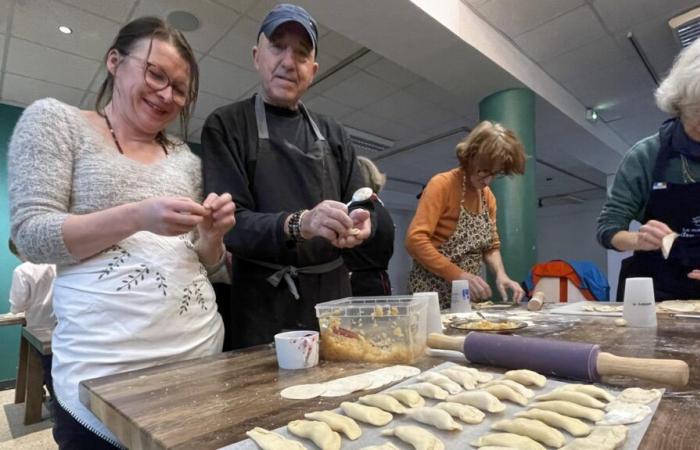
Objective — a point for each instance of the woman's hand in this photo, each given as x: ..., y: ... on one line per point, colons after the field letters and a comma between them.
x: 503, y: 283
x: 478, y: 288
x: 219, y: 219
x: 695, y: 274
x: 651, y: 234
x: 169, y: 216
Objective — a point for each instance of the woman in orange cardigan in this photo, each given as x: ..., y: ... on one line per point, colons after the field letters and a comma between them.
x: 454, y: 228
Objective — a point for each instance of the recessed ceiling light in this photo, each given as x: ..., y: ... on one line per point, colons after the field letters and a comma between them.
x: 64, y: 29
x: 183, y: 20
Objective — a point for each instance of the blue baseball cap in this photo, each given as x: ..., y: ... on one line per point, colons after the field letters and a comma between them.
x: 286, y: 12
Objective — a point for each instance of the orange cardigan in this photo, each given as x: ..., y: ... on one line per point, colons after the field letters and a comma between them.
x: 436, y: 220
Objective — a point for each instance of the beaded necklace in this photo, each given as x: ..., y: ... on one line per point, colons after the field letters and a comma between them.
x: 116, y: 141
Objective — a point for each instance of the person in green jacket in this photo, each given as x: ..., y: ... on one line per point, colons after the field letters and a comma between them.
x: 658, y: 185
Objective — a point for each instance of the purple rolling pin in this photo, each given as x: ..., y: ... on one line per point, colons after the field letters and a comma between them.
x: 559, y: 358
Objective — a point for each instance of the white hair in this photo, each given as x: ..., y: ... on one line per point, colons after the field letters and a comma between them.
x: 371, y: 175
x: 681, y: 87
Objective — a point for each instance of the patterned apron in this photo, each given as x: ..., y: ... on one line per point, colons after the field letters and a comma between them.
x: 465, y: 248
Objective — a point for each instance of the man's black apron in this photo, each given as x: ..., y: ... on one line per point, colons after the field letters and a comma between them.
x: 287, y: 178
x: 678, y: 206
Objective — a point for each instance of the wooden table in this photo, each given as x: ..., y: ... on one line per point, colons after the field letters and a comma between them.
x: 211, y: 402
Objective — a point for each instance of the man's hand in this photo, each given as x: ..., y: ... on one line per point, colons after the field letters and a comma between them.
x: 651, y: 234
x: 695, y: 274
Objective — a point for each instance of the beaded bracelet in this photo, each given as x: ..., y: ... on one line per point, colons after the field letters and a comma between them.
x: 294, y: 225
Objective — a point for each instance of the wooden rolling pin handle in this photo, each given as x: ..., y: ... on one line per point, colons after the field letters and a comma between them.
x: 437, y: 340
x: 667, y: 371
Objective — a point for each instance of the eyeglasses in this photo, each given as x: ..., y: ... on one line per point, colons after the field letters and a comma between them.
x: 157, y: 79
x: 483, y: 174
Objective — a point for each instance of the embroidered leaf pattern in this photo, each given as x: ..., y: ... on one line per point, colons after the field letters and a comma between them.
x: 117, y: 260
x: 185, y: 302
x: 160, y: 279
x: 133, y: 278
x: 193, y: 293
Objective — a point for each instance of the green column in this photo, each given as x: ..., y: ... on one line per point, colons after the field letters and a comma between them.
x: 515, y: 195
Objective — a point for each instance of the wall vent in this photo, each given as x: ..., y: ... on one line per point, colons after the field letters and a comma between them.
x: 686, y: 27
x: 363, y: 140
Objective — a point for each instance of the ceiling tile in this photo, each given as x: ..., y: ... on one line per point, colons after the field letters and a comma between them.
x: 42, y: 63
x: 427, y: 118
x: 224, y: 79
x: 325, y: 62
x: 386, y: 129
x: 392, y: 73
x: 588, y: 58
x: 366, y: 60
x: 207, y: 103
x: 239, y: 5
x: 475, y: 2
x: 513, y: 20
x: 360, y: 90
x: 2, y: 46
x: 89, y: 101
x: 237, y: 45
x: 24, y: 91
x: 657, y: 42
x: 619, y: 15
x: 215, y: 20
x: 335, y: 44
x: 98, y: 79
x: 4, y: 11
x: 397, y: 105
x: 38, y: 21
x: 323, y: 105
x: 572, y: 30
x: 116, y: 10
x: 260, y: 9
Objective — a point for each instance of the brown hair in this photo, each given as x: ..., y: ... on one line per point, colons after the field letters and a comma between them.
x: 371, y: 175
x: 493, y: 148
x: 153, y: 28
x: 13, y: 248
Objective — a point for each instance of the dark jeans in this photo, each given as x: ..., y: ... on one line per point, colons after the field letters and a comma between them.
x: 69, y: 434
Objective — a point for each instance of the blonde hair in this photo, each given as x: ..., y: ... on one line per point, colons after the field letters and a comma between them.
x: 371, y: 175
x: 491, y: 147
x: 681, y: 87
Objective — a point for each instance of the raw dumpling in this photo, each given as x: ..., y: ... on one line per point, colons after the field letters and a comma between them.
x: 337, y: 422
x: 503, y: 392
x: 428, y: 390
x: 574, y: 427
x: 385, y: 402
x: 622, y: 413
x: 483, y: 400
x: 571, y: 409
x: 593, y: 391
x: 508, y: 440
x: 368, y: 414
x: 639, y: 395
x: 436, y: 417
x: 462, y: 377
x: 533, y: 429
x: 441, y: 380
x: 320, y: 433
x: 465, y: 413
x: 269, y: 440
x: 572, y: 396
x: 526, y: 377
x: 602, y: 438
x: 419, y: 438
x: 387, y: 446
x: 525, y: 392
x: 481, y: 377
x: 408, y: 397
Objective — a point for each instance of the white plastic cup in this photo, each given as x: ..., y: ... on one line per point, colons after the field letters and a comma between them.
x: 639, y: 309
x: 432, y: 300
x: 460, y: 297
x: 297, y: 349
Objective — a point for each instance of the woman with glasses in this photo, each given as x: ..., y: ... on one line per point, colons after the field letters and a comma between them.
x: 454, y: 228
x: 117, y: 205
x: 658, y: 185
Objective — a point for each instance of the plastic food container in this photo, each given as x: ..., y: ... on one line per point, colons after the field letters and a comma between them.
x: 388, y: 329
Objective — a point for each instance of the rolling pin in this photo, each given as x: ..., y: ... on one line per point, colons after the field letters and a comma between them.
x: 536, y: 302
x: 577, y: 360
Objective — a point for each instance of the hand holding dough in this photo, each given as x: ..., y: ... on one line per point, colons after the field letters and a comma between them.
x: 419, y: 438
x: 508, y: 440
x: 465, y: 413
x: 436, y: 417
x: 574, y: 427
x: 526, y: 377
x: 571, y: 409
x: 533, y: 429
x: 269, y: 440
x: 337, y: 422
x: 320, y: 433
x: 408, y: 397
x: 483, y: 400
x: 368, y: 414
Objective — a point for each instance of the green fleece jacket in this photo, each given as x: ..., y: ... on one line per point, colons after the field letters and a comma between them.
x: 628, y: 195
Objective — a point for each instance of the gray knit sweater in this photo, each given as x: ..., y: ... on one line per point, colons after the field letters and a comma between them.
x: 60, y: 165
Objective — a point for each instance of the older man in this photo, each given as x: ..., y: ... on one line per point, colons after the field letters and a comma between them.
x: 290, y: 172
